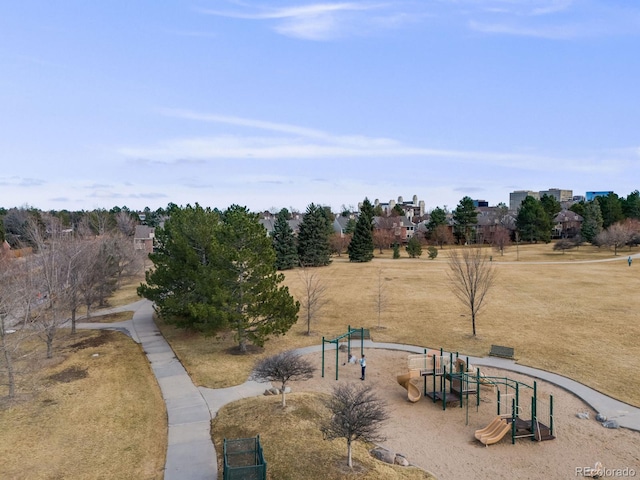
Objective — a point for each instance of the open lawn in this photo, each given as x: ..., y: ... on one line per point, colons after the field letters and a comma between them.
x: 93, y: 411
x: 560, y: 312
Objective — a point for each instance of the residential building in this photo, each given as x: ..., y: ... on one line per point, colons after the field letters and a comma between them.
x: 143, y: 238
x: 413, y: 208
x: 566, y: 224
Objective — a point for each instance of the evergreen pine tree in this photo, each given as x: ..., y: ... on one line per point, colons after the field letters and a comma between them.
x: 532, y: 221
x: 592, y: 221
x: 284, y: 242
x: 314, y: 249
x: 414, y: 249
x: 396, y: 250
x: 465, y: 219
x: 361, y: 246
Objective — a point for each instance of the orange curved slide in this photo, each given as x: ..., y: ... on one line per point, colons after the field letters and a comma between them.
x: 413, y: 392
x: 489, y: 428
x: 496, y: 436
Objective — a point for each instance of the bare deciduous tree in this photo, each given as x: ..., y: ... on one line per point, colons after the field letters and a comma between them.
x: 339, y: 242
x: 442, y: 235
x: 51, y: 273
x: 381, y: 297
x: 563, y: 245
x: 472, y: 275
x: 99, y: 220
x: 10, y: 304
x: 283, y: 368
x: 356, y: 414
x: 616, y: 236
x: 125, y: 223
x: 384, y: 232
x: 314, y: 295
x: 501, y: 239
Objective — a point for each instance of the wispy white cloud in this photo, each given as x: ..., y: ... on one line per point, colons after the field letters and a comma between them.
x: 546, y: 31
x: 21, y: 181
x: 303, y: 143
x: 551, y: 19
x: 510, y: 7
x: 317, y: 21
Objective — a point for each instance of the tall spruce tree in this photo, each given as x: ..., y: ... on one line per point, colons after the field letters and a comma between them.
x: 215, y: 270
x: 437, y: 217
x: 284, y: 242
x: 361, y: 246
x: 592, y: 221
x: 465, y: 219
x: 611, y: 209
x: 630, y: 205
x: 532, y: 221
x: 314, y: 249
x: 551, y: 206
x: 254, y: 303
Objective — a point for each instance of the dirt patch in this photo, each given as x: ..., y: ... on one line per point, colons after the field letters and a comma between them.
x: 250, y: 350
x: 70, y: 374
x: 101, y: 338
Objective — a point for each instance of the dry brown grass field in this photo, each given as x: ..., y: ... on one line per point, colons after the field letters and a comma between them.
x: 85, y: 416
x: 567, y: 313
x: 293, y: 445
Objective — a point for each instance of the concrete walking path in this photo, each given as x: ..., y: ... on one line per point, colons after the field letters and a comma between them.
x: 191, y: 454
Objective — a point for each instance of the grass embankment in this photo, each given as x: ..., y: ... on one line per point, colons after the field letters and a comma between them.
x: 293, y: 444
x: 93, y: 411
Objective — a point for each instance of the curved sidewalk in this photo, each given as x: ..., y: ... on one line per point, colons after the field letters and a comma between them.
x: 191, y: 454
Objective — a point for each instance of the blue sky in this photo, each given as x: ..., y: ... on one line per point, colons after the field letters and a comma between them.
x: 276, y: 104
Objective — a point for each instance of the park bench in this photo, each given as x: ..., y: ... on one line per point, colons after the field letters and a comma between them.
x: 365, y: 332
x: 500, y: 351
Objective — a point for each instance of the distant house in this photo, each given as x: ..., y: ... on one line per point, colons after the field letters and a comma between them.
x: 143, y: 238
x: 340, y: 224
x: 269, y: 221
x: 566, y: 224
x: 489, y: 220
x: 401, y: 227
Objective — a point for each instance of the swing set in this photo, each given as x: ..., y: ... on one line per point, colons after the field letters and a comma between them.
x: 355, y: 332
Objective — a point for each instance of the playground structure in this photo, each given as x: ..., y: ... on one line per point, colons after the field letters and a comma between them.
x: 520, y: 410
x: 355, y: 332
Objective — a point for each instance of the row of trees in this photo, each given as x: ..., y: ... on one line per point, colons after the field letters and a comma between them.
x: 311, y: 248
x: 15, y: 222
x: 65, y: 271
x: 217, y: 269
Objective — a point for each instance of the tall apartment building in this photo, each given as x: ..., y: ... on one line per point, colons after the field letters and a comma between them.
x: 558, y: 194
x: 516, y: 198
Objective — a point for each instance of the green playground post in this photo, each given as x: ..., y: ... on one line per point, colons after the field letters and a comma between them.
x: 513, y: 421
x: 551, y: 414
x: 444, y: 387
x: 434, y: 378
x: 534, y: 404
